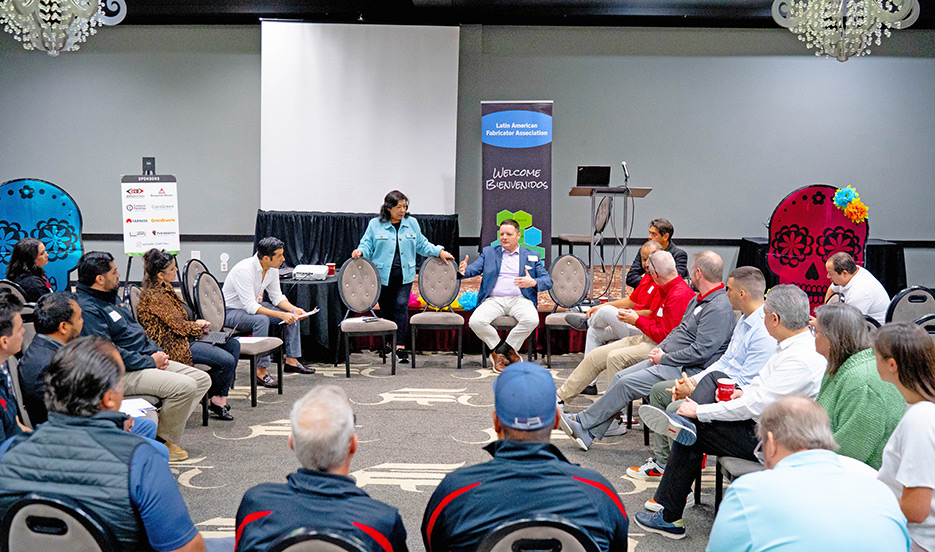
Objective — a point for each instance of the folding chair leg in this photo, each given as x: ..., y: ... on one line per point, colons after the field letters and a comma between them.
x: 414, y: 330
x: 204, y: 410
x: 253, y: 381
x: 548, y: 348
x: 718, y: 485
x: 337, y: 352
x: 393, y: 362
x: 629, y: 414
x: 483, y: 354
x: 347, y: 355
x: 282, y: 360
x: 384, y: 348
x: 698, y: 486
x: 460, y: 349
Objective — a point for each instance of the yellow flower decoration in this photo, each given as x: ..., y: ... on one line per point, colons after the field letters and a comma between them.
x: 856, y: 211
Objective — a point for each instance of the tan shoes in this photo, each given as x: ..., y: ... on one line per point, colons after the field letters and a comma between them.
x: 499, y: 361
x: 176, y: 453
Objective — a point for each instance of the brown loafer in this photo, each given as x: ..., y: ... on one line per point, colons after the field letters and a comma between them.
x: 267, y: 381
x: 512, y: 356
x: 499, y: 362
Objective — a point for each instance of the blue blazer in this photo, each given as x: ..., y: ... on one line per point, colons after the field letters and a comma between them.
x: 379, y: 245
x: 488, y: 264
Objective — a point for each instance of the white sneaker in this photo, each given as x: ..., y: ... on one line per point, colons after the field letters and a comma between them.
x: 616, y: 428
x: 654, y: 506
x: 650, y: 470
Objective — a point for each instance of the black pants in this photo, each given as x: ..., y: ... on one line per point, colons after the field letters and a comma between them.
x: 394, y: 304
x: 736, y: 439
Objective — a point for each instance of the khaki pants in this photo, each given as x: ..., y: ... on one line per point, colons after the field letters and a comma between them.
x: 179, y: 386
x: 614, y: 357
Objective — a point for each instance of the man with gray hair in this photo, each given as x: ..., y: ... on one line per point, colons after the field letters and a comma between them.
x: 655, y: 326
x: 697, y: 342
x: 807, y: 499
x: 727, y: 427
x: 321, y: 495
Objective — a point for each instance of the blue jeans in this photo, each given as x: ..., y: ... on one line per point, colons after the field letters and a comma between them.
x: 223, y: 363
x: 259, y: 325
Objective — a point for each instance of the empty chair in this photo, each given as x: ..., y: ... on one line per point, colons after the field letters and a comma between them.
x: 928, y: 324
x: 193, y: 268
x: 359, y: 287
x: 210, y: 306
x: 314, y: 541
x: 540, y: 534
x: 600, y: 221
x: 872, y: 323
x: 570, y: 286
x: 439, y: 286
x: 911, y: 304
x: 50, y: 522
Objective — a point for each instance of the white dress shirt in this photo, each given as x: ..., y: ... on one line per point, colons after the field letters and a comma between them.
x: 244, y: 286
x: 866, y: 293
x: 795, y: 367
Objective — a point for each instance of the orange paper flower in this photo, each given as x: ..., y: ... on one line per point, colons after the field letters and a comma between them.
x: 856, y: 211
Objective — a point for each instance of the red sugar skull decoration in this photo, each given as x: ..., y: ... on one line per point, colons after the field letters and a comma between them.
x: 806, y: 228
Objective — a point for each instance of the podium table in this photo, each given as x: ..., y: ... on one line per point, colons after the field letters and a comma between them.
x: 604, y: 191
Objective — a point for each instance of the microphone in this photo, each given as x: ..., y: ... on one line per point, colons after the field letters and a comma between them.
x: 626, y: 173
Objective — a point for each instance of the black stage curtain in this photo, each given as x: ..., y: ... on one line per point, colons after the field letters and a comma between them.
x: 885, y: 260
x: 319, y: 238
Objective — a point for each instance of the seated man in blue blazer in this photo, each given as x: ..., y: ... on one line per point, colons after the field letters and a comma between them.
x: 512, y: 278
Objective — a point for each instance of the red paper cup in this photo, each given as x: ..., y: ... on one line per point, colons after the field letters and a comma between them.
x: 603, y: 300
x: 330, y: 268
x: 725, y: 388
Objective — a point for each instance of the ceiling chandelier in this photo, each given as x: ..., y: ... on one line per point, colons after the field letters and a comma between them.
x: 844, y: 28
x: 58, y: 25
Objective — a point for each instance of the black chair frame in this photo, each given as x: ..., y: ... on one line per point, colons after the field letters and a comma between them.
x: 503, y: 530
x: 346, y: 542
x: 88, y: 520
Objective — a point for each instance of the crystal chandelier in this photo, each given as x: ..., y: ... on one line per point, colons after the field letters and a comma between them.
x: 844, y: 28
x: 58, y: 25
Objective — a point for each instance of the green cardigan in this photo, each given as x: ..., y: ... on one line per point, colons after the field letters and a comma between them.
x: 864, y: 409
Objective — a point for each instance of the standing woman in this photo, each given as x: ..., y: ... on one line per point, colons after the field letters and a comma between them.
x: 25, y: 268
x: 391, y: 242
x: 905, y: 357
x: 165, y: 321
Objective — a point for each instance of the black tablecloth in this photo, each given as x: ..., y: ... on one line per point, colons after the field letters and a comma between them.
x: 885, y: 260
x: 319, y: 238
x: 319, y: 331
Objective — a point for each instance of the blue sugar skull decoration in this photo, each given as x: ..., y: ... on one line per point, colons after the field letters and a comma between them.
x: 38, y: 209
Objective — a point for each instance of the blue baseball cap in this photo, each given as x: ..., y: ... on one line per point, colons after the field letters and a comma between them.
x: 524, y: 396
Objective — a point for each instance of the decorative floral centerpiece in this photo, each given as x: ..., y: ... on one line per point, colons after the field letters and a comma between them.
x: 847, y: 200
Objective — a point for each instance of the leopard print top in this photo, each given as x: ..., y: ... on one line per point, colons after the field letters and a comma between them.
x: 165, y: 321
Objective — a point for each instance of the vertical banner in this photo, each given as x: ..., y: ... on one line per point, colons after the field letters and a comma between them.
x: 517, y: 172
x: 150, y: 213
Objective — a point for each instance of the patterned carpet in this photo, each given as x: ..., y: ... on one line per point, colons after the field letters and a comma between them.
x: 414, y: 428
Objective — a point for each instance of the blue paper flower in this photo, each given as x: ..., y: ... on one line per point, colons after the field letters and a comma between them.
x: 468, y: 300
x: 844, y: 196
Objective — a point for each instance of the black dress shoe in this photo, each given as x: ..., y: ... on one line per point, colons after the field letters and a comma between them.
x: 267, y: 381
x: 221, y: 412
x: 589, y: 390
x: 298, y: 369
x: 402, y: 356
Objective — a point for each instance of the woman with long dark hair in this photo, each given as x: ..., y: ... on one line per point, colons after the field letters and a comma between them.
x: 25, y: 268
x: 863, y: 409
x: 392, y: 241
x: 905, y: 357
x: 166, y: 322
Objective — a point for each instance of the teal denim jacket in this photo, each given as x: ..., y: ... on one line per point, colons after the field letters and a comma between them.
x: 379, y: 245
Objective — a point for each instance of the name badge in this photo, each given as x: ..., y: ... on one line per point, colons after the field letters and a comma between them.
x: 114, y: 315
x: 697, y: 310
x: 659, y: 312
x: 533, y: 258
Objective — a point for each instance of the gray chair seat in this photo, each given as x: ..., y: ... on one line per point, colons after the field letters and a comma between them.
x: 558, y: 319
x: 504, y: 322
x: 443, y: 318
x: 264, y: 345
x: 358, y: 326
x: 576, y: 238
x: 732, y: 468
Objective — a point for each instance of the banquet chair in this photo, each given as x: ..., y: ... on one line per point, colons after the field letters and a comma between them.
x: 570, y: 286
x: 210, y: 306
x: 193, y: 268
x: 911, y: 304
x: 41, y: 521
x: 359, y: 287
x: 597, y: 237
x: 439, y: 286
x: 538, y: 533
x: 315, y: 541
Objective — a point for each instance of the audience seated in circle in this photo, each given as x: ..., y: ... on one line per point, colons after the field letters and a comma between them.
x: 806, y: 499
x: 749, y: 348
x: 84, y: 452
x: 696, y: 343
x: 727, y: 428
x: 527, y: 476
x: 321, y: 495
x: 148, y: 369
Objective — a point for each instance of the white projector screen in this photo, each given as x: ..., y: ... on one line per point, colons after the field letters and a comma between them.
x: 350, y: 112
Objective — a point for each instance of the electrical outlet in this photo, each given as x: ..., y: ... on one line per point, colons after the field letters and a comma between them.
x: 196, y: 254
x: 223, y: 266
